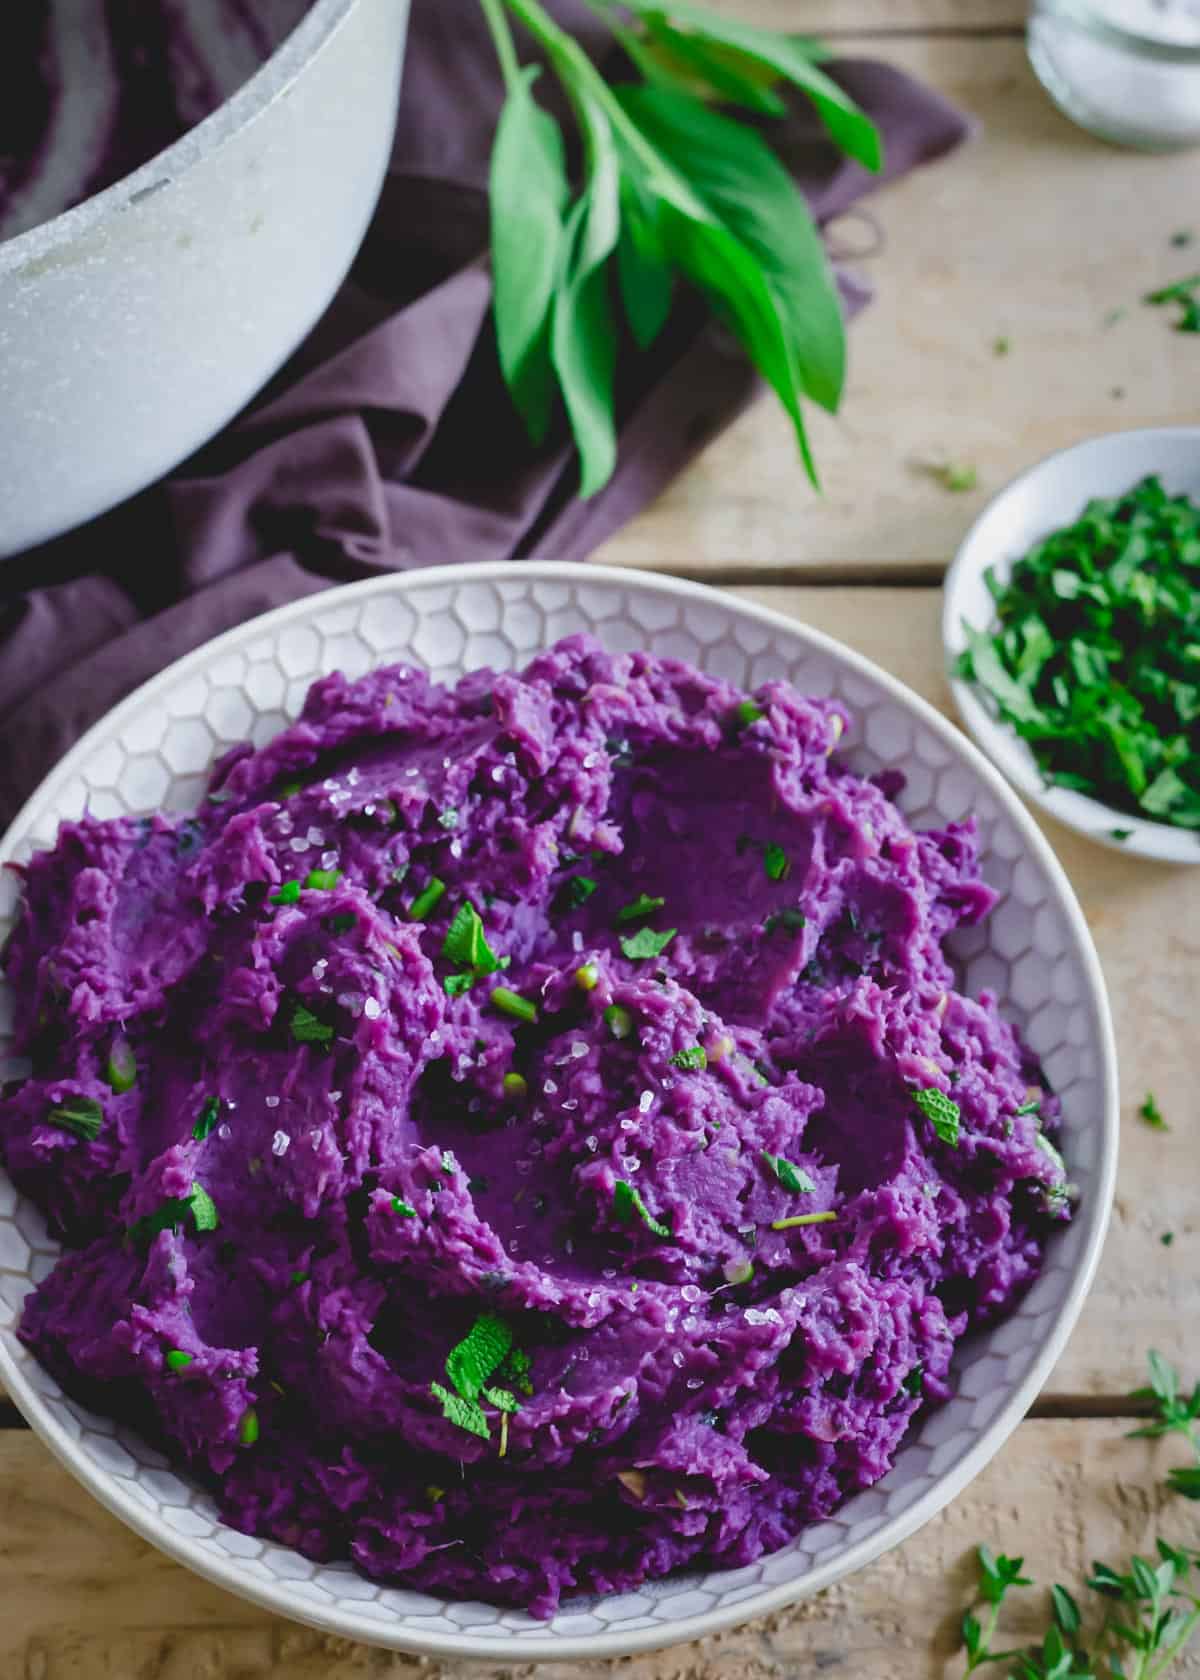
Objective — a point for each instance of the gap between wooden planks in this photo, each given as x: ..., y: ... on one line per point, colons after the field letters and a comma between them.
x: 1146, y: 922
x: 85, y: 1599
x: 1034, y: 233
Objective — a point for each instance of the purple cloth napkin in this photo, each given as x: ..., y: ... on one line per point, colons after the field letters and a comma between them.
x: 388, y: 441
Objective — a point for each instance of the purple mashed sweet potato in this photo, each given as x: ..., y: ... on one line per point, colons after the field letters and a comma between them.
x: 525, y: 1137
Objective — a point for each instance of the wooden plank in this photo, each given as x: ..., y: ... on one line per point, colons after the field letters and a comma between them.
x: 1034, y: 232
x: 834, y: 18
x: 1146, y: 921
x: 84, y: 1599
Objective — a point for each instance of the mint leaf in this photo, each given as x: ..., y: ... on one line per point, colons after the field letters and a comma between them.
x: 466, y: 944
x: 210, y: 1113
x: 473, y: 1360
x: 792, y: 1178
x: 307, y: 1029
x: 646, y: 943
x: 204, y: 1209
x: 464, y: 1414
x: 941, y: 1111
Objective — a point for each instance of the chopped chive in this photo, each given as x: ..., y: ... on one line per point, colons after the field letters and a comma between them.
x: 210, y: 1113
x: 288, y: 893
x: 512, y: 1003
x: 618, y: 1021
x: 1030, y: 1107
x: 627, y: 1201
x: 424, y: 902
x: 204, y: 1209
x: 776, y: 862
x: 747, y: 712
x: 177, y: 1360
x: 120, y: 1072
x: 322, y: 880
x: 802, y: 1219
x: 81, y: 1115
x: 515, y: 1085
x: 403, y: 1208
x: 642, y: 905
x: 587, y: 978
x: 248, y: 1427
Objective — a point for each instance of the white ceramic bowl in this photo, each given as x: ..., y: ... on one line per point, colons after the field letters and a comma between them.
x: 1035, y: 951
x: 1043, y: 498
x: 135, y: 325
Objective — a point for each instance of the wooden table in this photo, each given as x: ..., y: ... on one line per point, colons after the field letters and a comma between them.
x: 1035, y: 233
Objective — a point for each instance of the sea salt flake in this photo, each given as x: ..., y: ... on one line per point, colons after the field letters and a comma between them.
x: 352, y: 1002
x: 593, y: 1143
x: 352, y: 776
x: 646, y: 1101
x: 579, y: 1049
x: 272, y: 1102
x: 280, y: 1143
x: 677, y: 1358
x: 456, y: 849
x: 628, y: 1125
x: 335, y: 1096
x: 570, y: 1105
x: 283, y: 822
x: 549, y: 1087
x: 299, y: 844
x: 372, y: 1009
x: 368, y: 810
x: 328, y: 860
x: 315, y: 837
x: 223, y: 1130
x: 690, y: 1292
x: 576, y: 940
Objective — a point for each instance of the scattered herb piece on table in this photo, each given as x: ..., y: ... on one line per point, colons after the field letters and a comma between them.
x: 671, y: 189
x: 1144, y: 1616
x: 1094, y: 658
x: 1185, y: 294
x: 1150, y: 1112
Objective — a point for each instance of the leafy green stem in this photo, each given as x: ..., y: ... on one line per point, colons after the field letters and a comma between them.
x: 506, y: 52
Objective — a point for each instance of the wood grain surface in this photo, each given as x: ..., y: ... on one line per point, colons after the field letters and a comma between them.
x: 90, y: 1601
x: 1034, y: 233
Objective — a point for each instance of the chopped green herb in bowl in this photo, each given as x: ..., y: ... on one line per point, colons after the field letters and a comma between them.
x: 1083, y: 644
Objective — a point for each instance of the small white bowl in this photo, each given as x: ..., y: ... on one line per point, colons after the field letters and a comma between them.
x: 1043, y: 498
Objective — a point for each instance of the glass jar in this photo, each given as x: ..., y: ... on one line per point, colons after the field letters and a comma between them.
x: 1128, y: 70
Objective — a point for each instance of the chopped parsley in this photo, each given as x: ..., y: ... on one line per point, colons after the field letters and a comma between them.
x: 512, y: 1003
x: 1150, y: 1112
x: 618, y: 1021
x: 776, y: 862
x: 307, y: 1029
x: 177, y: 1360
x: 405, y: 1209
x: 1094, y: 655
x: 322, y: 880
x: 424, y: 902
x: 466, y: 943
x: 694, y: 1059
x: 120, y: 1072
x: 748, y: 712
x: 81, y: 1115
x: 792, y: 1178
x: 288, y: 893
x: 942, y: 1112
x: 642, y: 905
x: 210, y: 1113
x: 627, y: 1201
x: 646, y: 943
